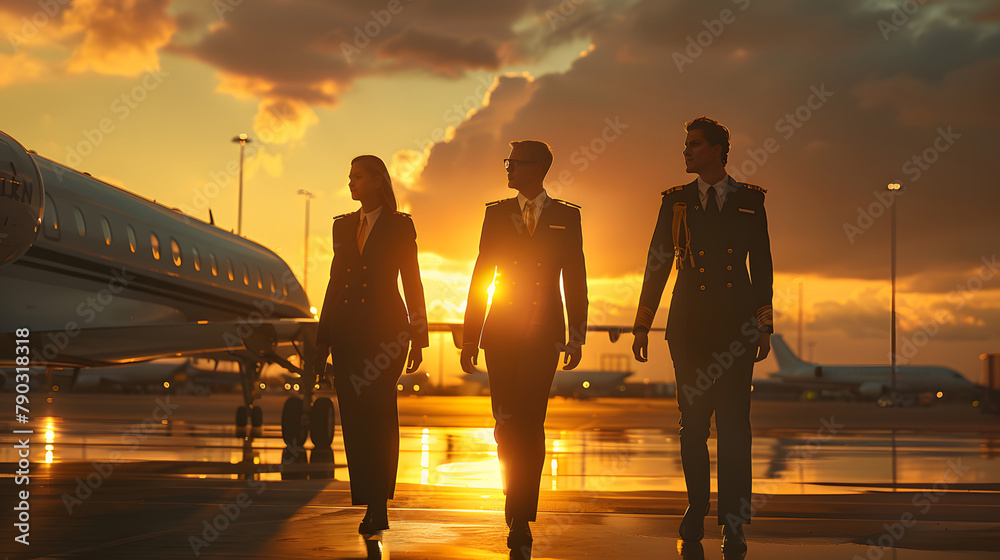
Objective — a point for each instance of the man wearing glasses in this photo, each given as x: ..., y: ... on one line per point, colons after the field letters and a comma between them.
x: 527, y: 242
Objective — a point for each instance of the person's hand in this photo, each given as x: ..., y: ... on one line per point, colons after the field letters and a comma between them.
x: 470, y: 358
x: 763, y: 346
x: 573, y: 353
x: 640, y: 346
x: 319, y: 359
x: 416, y: 356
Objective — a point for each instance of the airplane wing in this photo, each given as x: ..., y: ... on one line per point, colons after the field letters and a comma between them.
x: 108, y: 346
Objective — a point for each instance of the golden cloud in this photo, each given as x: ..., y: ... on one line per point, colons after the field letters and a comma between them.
x: 279, y: 121
x: 120, y: 37
x: 28, y: 68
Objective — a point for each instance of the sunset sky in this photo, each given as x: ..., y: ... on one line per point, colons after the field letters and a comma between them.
x: 827, y: 101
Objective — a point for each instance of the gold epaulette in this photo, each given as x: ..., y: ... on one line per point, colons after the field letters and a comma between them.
x: 567, y: 203
x: 672, y: 189
x: 398, y: 213
x: 342, y: 216
x: 495, y: 202
x: 756, y: 188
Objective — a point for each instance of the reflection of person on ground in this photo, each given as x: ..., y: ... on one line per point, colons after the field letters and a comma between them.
x: 719, y: 322
x: 526, y: 243
x: 368, y: 330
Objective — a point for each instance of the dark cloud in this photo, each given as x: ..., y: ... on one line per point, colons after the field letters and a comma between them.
x: 820, y: 114
x: 856, y: 318
x: 951, y: 319
x: 302, y: 51
x: 441, y: 54
x: 301, y: 42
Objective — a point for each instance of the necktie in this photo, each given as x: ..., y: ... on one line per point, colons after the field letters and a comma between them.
x: 712, y: 204
x: 361, y: 233
x: 529, y: 216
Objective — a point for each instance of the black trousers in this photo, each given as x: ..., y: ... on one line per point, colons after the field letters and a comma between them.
x: 715, y: 379
x: 520, y: 381
x: 365, y: 377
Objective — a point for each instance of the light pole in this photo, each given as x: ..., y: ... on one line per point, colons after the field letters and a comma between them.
x: 799, y: 281
x: 305, y: 260
x: 893, y: 187
x: 242, y: 140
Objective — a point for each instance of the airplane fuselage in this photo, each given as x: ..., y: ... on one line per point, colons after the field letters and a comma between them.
x: 105, y: 257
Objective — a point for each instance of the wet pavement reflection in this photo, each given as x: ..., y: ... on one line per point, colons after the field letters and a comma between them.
x: 593, y: 459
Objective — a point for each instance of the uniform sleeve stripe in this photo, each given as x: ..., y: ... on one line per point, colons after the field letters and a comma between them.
x: 644, y: 317
x: 765, y: 315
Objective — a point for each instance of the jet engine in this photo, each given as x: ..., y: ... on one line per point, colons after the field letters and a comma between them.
x: 21, y: 200
x: 872, y: 389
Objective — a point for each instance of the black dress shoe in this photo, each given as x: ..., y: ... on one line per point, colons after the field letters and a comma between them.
x: 519, y: 536
x: 370, y: 526
x: 734, y: 542
x: 690, y: 550
x: 693, y: 525
x: 521, y: 553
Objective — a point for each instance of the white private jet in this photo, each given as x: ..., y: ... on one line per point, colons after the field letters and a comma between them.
x: 93, y: 276
x: 866, y: 381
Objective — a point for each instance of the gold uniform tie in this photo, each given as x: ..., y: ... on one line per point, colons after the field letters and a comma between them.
x: 361, y: 233
x: 529, y: 216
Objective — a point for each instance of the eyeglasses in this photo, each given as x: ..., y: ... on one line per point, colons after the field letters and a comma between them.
x: 510, y: 164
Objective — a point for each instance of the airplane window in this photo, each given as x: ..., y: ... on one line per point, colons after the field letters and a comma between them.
x: 81, y: 226
x: 229, y: 267
x: 271, y: 278
x: 246, y: 276
x: 131, y: 238
x: 195, y: 258
x: 260, y: 279
x: 284, y: 289
x: 175, y: 249
x: 154, y: 242
x: 215, y: 266
x: 50, y: 220
x: 106, y: 229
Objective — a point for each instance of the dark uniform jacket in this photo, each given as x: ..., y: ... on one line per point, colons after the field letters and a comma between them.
x: 362, y: 299
x: 527, y: 303
x: 714, y: 296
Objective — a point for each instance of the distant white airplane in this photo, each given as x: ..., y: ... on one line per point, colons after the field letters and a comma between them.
x: 866, y: 381
x: 574, y: 384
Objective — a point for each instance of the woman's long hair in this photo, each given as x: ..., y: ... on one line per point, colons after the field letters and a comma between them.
x: 376, y: 166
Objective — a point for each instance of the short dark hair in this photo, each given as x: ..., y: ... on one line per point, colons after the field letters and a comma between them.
x: 539, y: 151
x: 715, y: 133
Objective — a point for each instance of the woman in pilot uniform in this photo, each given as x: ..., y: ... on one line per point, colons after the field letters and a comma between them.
x: 368, y: 331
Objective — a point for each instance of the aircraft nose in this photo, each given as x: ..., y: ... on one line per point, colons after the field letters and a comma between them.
x: 21, y: 205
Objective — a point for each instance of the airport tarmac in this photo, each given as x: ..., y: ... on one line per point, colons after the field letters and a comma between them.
x: 158, y: 476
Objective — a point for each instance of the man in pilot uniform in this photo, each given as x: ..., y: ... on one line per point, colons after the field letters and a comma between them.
x: 719, y: 322
x: 526, y: 243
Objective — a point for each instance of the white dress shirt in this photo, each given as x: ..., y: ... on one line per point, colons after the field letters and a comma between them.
x: 538, y: 200
x: 369, y: 219
x: 720, y: 189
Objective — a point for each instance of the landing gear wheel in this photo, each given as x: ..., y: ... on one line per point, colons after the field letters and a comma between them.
x: 242, y: 415
x: 257, y: 416
x: 322, y: 422
x: 291, y: 422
